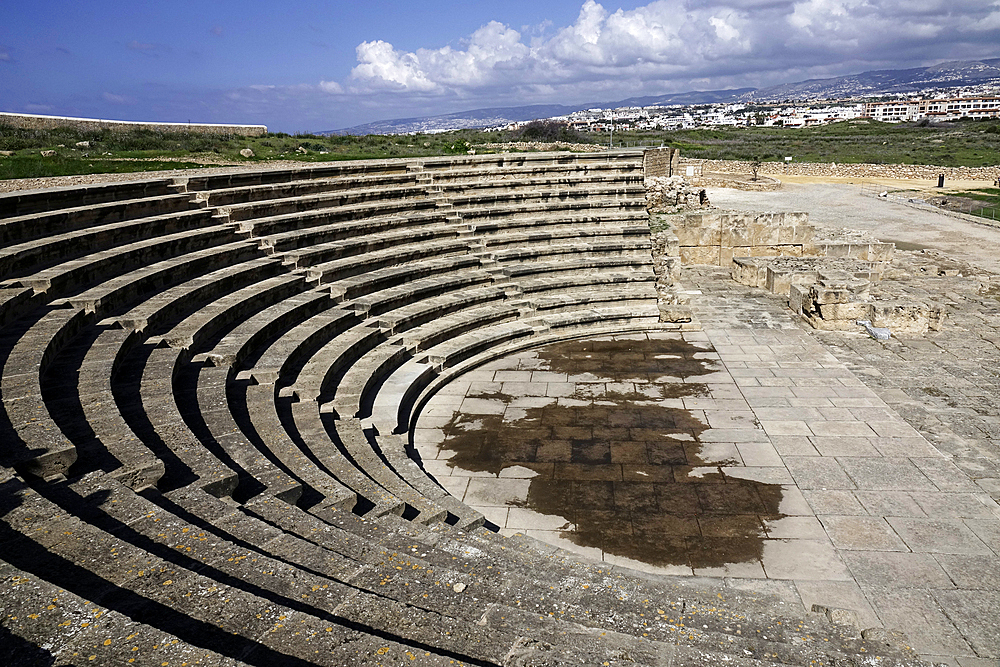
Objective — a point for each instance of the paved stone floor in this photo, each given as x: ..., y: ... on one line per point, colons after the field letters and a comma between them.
x: 756, y: 450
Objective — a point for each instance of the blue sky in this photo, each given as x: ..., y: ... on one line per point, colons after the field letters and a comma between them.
x: 313, y: 66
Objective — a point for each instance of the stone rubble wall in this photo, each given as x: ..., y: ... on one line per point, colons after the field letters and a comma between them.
x: 34, y: 122
x: 530, y: 146
x: 901, y: 171
x: 762, y: 184
x: 673, y: 194
x: 661, y: 162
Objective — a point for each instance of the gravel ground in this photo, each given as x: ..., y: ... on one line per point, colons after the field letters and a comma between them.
x: 836, y: 206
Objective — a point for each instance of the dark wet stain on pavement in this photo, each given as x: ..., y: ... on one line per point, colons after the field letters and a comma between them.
x: 619, y: 457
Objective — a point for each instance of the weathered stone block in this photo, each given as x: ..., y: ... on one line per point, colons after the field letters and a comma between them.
x: 798, y: 298
x: 748, y: 271
x: 700, y: 255
x: 699, y: 229
x: 855, y: 310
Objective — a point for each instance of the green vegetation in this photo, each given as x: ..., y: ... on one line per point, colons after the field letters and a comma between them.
x: 959, y: 144
x: 990, y: 198
x: 145, y: 150
x: 967, y: 143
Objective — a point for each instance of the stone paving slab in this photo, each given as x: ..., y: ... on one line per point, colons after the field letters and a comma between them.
x: 842, y: 499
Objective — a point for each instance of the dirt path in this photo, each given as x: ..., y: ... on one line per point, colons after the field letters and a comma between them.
x: 840, y: 206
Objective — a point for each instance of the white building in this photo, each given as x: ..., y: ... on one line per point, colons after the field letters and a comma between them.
x: 940, y: 109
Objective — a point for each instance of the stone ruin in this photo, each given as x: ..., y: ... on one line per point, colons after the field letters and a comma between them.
x: 831, y: 283
x: 208, y: 388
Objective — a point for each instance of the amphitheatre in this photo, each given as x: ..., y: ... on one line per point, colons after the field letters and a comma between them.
x: 513, y: 409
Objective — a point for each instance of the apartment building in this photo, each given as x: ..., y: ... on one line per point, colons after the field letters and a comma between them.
x: 943, y: 109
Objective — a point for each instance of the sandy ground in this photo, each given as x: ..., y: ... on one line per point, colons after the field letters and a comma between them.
x: 843, y: 206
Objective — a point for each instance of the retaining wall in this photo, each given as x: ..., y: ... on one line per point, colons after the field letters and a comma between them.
x: 837, y: 170
x: 34, y: 122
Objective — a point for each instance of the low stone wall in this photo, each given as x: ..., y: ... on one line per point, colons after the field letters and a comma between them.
x: 902, y: 171
x: 661, y: 162
x: 762, y: 184
x: 34, y: 122
x: 715, y: 237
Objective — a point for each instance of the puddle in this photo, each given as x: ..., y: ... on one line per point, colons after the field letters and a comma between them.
x: 590, y: 439
x: 906, y: 245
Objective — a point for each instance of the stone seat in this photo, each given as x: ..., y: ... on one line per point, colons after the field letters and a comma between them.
x: 33, y: 443
x: 217, y: 593
x: 373, y: 498
x: 353, y: 397
x: 227, y: 311
x: 464, y: 181
x: 429, y: 308
x: 374, y: 199
x: 509, y: 212
x: 569, y: 299
x: 157, y: 313
x: 240, y: 194
x: 377, y: 587
x: 550, y: 199
x: 247, y: 338
x: 213, y: 424
x: 486, y: 221
x: 286, y: 234
x: 208, y: 469
x: 559, y: 234
x: 573, y: 248
x: 52, y: 222
x: 26, y: 257
x: 354, y: 285
x: 74, y: 275
x: 536, y: 284
x: 627, y: 219
x: 351, y: 459
x: 262, y: 425
x: 392, y: 242
x: 15, y: 302
x: 386, y: 300
x: 289, y: 351
x: 543, y: 187
x: 41, y: 613
x: 574, y: 265
x: 517, y: 170
x: 89, y: 415
x: 118, y: 293
x: 20, y: 203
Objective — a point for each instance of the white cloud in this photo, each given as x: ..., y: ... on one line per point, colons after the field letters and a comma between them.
x: 112, y: 98
x: 661, y: 47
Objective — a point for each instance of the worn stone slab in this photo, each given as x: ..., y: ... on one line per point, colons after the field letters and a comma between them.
x: 944, y: 536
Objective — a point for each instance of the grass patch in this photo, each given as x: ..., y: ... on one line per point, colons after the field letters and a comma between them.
x: 35, y: 166
x: 958, y: 144
x: 948, y: 145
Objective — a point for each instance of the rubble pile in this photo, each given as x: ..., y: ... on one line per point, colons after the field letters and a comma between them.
x: 673, y: 194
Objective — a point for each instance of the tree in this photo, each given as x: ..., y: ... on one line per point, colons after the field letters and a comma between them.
x: 755, y: 167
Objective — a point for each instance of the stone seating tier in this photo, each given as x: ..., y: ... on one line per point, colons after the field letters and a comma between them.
x: 206, y: 405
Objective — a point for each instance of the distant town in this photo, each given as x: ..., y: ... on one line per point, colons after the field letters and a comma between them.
x: 978, y: 102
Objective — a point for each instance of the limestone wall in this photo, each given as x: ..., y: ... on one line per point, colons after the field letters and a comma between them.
x: 715, y: 237
x: 915, y: 172
x: 661, y: 162
x: 33, y: 122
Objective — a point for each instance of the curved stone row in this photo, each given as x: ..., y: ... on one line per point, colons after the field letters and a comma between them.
x: 208, y: 387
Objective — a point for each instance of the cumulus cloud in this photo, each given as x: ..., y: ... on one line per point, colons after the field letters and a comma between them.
x: 669, y: 45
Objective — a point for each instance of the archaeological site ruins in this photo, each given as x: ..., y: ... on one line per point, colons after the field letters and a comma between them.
x: 519, y: 410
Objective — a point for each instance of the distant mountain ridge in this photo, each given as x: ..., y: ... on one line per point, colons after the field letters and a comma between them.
x: 876, y: 82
